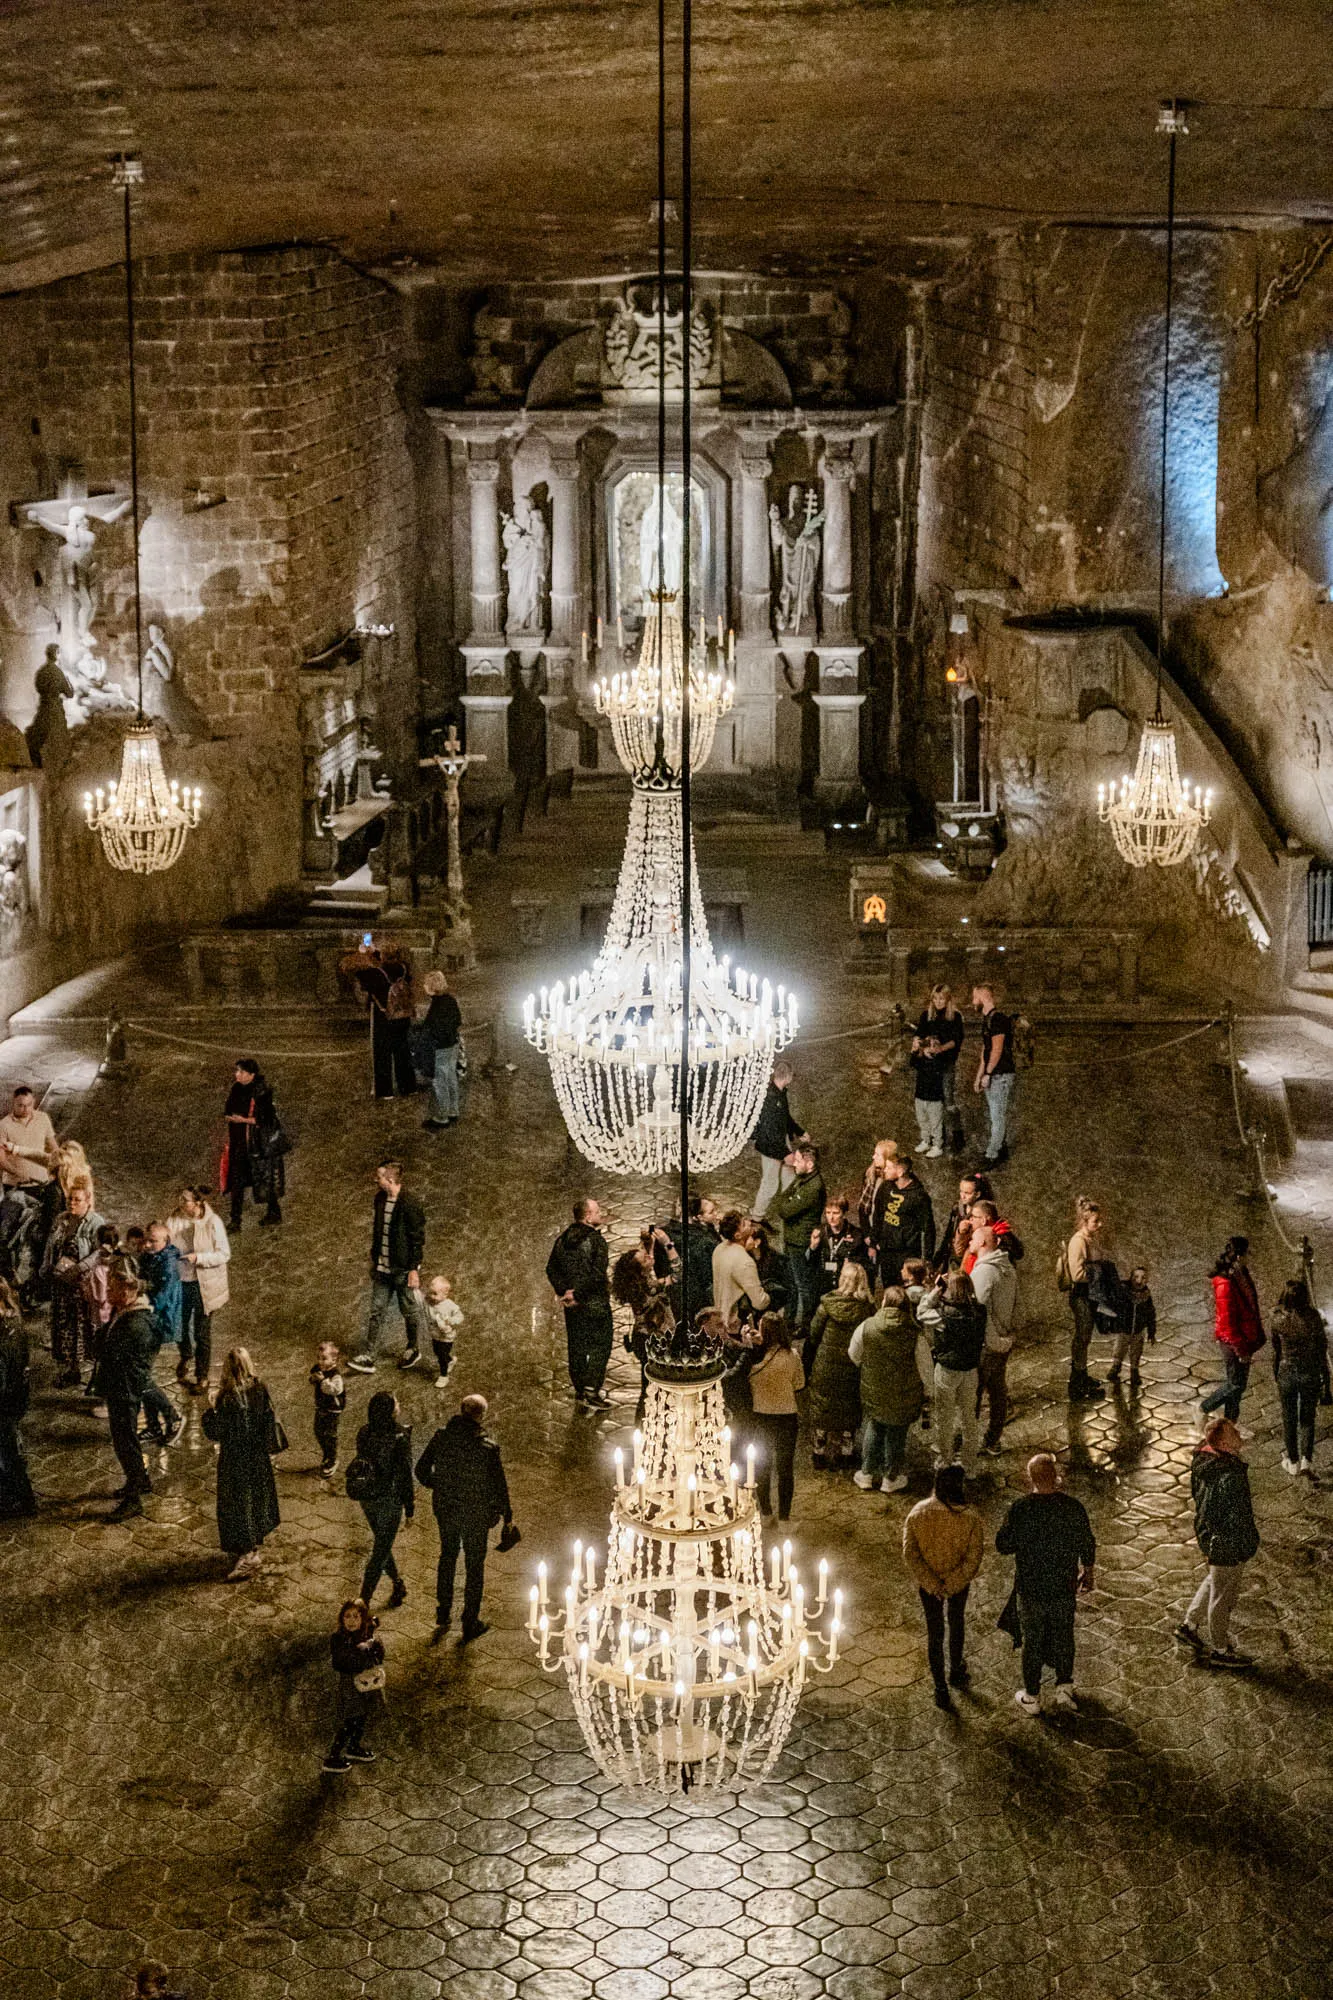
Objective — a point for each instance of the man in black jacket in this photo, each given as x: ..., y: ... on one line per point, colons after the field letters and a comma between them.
x: 903, y: 1221
x: 397, y: 1245
x: 470, y: 1494
x: 576, y: 1271
x: 125, y: 1372
x: 1050, y: 1537
x: 1225, y: 1530
x: 776, y: 1131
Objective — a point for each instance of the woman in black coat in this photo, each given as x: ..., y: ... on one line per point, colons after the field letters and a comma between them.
x: 241, y: 1422
x: 380, y: 1478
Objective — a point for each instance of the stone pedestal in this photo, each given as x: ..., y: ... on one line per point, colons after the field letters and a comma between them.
x: 839, y: 702
x: 488, y: 737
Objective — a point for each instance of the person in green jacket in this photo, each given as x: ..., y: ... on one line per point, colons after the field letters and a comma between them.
x: 835, y: 1394
x: 797, y: 1209
x: 884, y: 1349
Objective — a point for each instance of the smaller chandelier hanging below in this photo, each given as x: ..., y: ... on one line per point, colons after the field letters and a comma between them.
x: 142, y: 821
x: 1155, y: 816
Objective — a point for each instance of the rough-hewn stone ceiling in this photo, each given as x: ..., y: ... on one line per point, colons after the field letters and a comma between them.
x: 515, y: 136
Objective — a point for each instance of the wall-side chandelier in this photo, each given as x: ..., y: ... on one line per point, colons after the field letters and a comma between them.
x: 686, y: 1661
x: 1155, y: 816
x: 142, y: 819
x: 660, y: 1053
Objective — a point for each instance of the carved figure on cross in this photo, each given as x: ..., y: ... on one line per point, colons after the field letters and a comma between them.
x: 453, y: 762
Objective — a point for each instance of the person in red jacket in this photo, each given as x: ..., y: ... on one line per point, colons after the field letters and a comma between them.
x: 1237, y: 1327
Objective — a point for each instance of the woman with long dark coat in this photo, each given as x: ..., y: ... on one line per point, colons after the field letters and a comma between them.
x: 240, y: 1420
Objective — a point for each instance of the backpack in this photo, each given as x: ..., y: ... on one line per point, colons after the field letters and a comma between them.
x: 1025, y: 1042
x: 399, y: 1006
x: 363, y: 1480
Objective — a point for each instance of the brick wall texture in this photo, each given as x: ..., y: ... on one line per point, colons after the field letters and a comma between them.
x: 975, y: 524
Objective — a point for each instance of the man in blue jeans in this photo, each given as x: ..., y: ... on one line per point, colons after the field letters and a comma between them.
x: 995, y: 1072
x: 397, y: 1244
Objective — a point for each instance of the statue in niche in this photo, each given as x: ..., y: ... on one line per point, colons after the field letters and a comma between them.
x: 527, y: 554
x: 13, y: 888
x: 660, y: 533
x: 47, y: 735
x: 796, y: 542
x: 163, y: 697
x: 73, y: 519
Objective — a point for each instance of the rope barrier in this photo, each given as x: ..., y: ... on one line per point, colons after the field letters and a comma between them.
x: 266, y: 1055
x: 1084, y: 1062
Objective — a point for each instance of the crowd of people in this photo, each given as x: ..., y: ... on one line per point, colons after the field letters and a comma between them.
x: 855, y: 1316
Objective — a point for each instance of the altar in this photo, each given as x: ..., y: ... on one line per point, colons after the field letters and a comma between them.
x: 552, y: 505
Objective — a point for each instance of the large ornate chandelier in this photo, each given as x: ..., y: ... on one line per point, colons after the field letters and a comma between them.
x: 142, y: 819
x: 686, y: 1661
x: 616, y: 1035
x: 1153, y: 816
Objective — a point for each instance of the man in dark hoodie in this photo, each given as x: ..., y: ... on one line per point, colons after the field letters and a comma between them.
x: 1225, y: 1530
x: 576, y: 1271
x: 903, y: 1220
x: 462, y: 1468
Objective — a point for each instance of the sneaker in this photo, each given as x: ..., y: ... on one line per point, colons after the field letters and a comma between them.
x: 362, y: 1364
x: 924, y: 1147
x: 893, y: 1485
x: 361, y: 1756
x: 434, y: 1124
x: 409, y: 1357
x: 598, y: 1399
x: 130, y: 1507
x: 245, y: 1566
x: 175, y: 1436
x: 934, y: 1152
x: 865, y: 1480
x: 1291, y: 1465
x: 990, y: 1450
x: 471, y: 1632
x: 1248, y: 1436
x: 327, y: 1471
x: 270, y: 1219
x: 961, y: 1677
x: 1029, y: 1703
x: 1187, y: 1636
x: 336, y: 1764
x: 943, y: 1699
x: 1230, y: 1658
x: 1113, y: 1372
x: 442, y: 1381
x: 396, y: 1597
x: 1066, y: 1698
x: 1307, y: 1465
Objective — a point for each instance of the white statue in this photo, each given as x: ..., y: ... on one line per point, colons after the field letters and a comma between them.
x: 635, y: 355
x: 13, y: 888
x: 163, y: 695
x: 660, y: 531
x: 796, y: 541
x: 527, y: 551
x: 74, y: 520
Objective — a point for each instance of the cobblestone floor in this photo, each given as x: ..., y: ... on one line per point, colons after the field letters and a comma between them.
x: 162, y: 1730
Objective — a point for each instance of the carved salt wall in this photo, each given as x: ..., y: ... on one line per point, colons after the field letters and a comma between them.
x: 278, y: 502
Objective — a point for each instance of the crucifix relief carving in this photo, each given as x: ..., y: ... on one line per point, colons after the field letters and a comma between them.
x: 73, y: 518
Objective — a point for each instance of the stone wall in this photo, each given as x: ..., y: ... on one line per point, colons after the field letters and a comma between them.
x: 278, y: 513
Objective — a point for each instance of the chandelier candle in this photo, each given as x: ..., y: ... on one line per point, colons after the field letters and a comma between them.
x: 686, y: 1663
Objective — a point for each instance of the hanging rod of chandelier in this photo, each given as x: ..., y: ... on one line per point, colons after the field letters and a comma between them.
x: 142, y: 819
x: 1155, y: 816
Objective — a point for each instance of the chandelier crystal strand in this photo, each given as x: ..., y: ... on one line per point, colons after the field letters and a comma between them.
x: 141, y: 819
x: 686, y: 1659
x: 1154, y: 817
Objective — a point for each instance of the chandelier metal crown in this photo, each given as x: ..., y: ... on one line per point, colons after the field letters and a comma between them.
x: 687, y: 1659
x: 615, y: 1035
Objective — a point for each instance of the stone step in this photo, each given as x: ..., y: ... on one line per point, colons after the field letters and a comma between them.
x: 1311, y: 1007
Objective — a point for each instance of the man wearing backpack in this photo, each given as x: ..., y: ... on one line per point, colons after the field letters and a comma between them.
x: 995, y: 1072
x: 462, y: 1468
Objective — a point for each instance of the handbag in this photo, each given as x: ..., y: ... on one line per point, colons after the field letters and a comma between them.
x: 278, y: 1439
x: 510, y: 1537
x: 369, y: 1682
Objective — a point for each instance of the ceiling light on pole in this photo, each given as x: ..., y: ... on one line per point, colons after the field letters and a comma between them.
x: 1155, y: 816
x: 142, y: 818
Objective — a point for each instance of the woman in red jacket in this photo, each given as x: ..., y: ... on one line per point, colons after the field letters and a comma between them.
x: 1237, y: 1326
